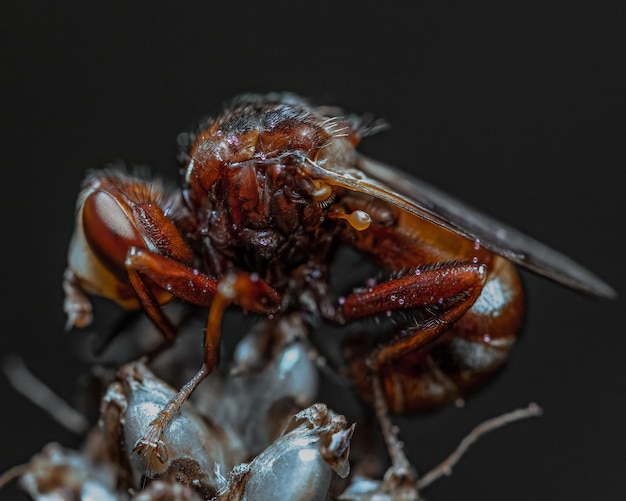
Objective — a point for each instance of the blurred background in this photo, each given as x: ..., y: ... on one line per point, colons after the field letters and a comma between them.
x: 520, y: 111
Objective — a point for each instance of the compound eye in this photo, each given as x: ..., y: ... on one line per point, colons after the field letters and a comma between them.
x: 109, y: 228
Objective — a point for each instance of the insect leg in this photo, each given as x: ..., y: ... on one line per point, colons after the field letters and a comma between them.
x: 122, y: 222
x: 472, y: 345
x: 251, y: 293
x: 445, y: 291
x: 179, y: 280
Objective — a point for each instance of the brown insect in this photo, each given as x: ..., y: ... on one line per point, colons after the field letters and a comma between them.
x: 272, y: 188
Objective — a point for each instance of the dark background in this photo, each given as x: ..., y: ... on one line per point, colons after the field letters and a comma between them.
x: 519, y: 111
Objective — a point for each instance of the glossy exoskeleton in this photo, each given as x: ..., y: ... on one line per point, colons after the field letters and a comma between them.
x: 272, y: 187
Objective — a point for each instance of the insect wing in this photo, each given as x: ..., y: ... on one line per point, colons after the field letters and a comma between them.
x: 423, y: 200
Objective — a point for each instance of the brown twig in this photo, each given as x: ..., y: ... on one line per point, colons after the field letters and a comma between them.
x: 33, y: 389
x: 445, y: 467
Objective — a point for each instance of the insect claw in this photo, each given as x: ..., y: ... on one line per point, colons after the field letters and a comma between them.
x: 150, y: 444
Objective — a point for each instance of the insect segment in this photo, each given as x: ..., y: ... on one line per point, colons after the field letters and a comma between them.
x: 273, y: 186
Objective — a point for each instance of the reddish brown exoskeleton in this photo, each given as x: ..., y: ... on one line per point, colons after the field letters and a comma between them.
x: 273, y: 187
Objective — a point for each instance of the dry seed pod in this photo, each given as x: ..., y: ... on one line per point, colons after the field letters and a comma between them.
x: 300, y: 464
x: 273, y: 377
x: 160, y: 490
x: 62, y: 474
x: 366, y: 489
x: 193, y: 450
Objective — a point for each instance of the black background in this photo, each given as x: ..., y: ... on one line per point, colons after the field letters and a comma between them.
x: 519, y: 111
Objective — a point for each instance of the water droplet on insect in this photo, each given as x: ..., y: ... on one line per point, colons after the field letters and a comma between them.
x: 475, y: 260
x: 388, y: 313
x: 400, y: 301
x: 477, y: 244
x: 232, y: 140
x: 440, y: 300
x: 359, y: 220
x: 486, y: 338
x: 392, y: 297
x: 418, y: 271
x: 341, y: 300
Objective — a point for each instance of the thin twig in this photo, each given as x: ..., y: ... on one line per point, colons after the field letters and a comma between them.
x: 445, y: 467
x: 399, y: 462
x: 33, y: 389
x: 13, y: 473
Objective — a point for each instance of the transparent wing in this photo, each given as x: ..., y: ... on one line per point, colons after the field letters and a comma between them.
x: 423, y: 200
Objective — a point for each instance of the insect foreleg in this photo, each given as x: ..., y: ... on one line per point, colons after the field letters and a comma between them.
x: 181, y: 281
x: 250, y: 293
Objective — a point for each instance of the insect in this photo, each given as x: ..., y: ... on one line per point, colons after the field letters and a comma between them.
x: 273, y: 187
